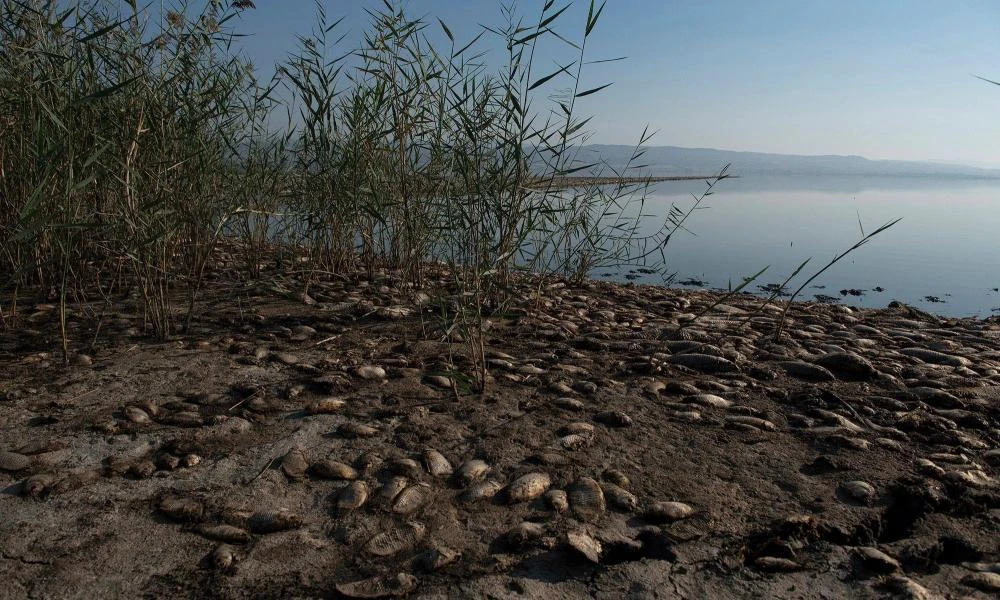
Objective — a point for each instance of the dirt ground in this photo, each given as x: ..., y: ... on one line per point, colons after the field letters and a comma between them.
x: 282, y: 448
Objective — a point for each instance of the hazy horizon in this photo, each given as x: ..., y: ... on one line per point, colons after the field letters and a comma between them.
x: 889, y: 80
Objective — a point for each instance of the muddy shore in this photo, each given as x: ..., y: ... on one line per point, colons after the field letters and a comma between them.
x: 329, y: 446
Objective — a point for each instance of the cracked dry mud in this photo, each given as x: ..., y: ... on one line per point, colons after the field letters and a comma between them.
x: 283, y: 449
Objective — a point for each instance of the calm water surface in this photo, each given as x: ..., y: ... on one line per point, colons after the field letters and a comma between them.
x: 947, y: 245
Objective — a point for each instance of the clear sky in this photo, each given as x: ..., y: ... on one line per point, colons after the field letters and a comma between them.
x: 878, y: 78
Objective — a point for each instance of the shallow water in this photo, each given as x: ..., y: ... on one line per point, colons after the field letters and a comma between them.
x: 947, y: 245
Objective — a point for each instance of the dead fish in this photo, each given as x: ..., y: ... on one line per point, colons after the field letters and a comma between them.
x: 38, y: 485
x: 353, y: 496
x: 613, y: 418
x: 574, y: 441
x: 756, y: 423
x: 369, y: 462
x: 294, y: 464
x: 225, y: 533
x: 223, y: 557
x: 331, y: 469
x: 776, y: 564
x: 136, y: 415
x: 566, y: 403
x: 357, y: 430
x: 557, y: 500
x: 668, y: 512
x: 392, y: 488
x: 524, y: 534
x: 383, y: 586
x: 181, y: 509
x: 183, y: 419
x: 584, y: 544
x: 370, y: 372
x: 325, y: 406
x: 472, y: 470
x: 406, y: 467
x: 617, y: 478
x: 410, y: 499
x: 528, y: 487
x: 75, y: 480
x: 586, y: 499
x: 576, y: 428
x: 167, y: 461
x: 552, y: 459
x: 13, y: 462
x: 142, y: 469
x: 396, y: 540
x: 859, y: 491
x: 435, y: 558
x: 436, y: 463
x: 482, y: 491
x: 620, y: 498
x: 274, y: 521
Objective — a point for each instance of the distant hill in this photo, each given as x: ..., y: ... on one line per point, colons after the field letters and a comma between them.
x: 673, y: 160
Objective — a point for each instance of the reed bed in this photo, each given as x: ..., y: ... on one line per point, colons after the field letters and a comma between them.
x: 133, y: 140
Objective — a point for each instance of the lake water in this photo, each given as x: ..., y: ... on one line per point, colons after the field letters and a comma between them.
x: 947, y: 245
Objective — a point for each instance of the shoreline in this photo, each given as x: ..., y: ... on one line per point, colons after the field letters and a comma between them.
x: 293, y: 445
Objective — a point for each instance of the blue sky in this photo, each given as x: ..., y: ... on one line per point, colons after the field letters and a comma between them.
x: 878, y: 78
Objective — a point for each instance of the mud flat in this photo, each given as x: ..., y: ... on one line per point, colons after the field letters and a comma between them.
x: 334, y: 449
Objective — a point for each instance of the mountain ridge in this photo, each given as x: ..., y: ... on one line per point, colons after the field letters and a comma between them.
x: 678, y: 160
